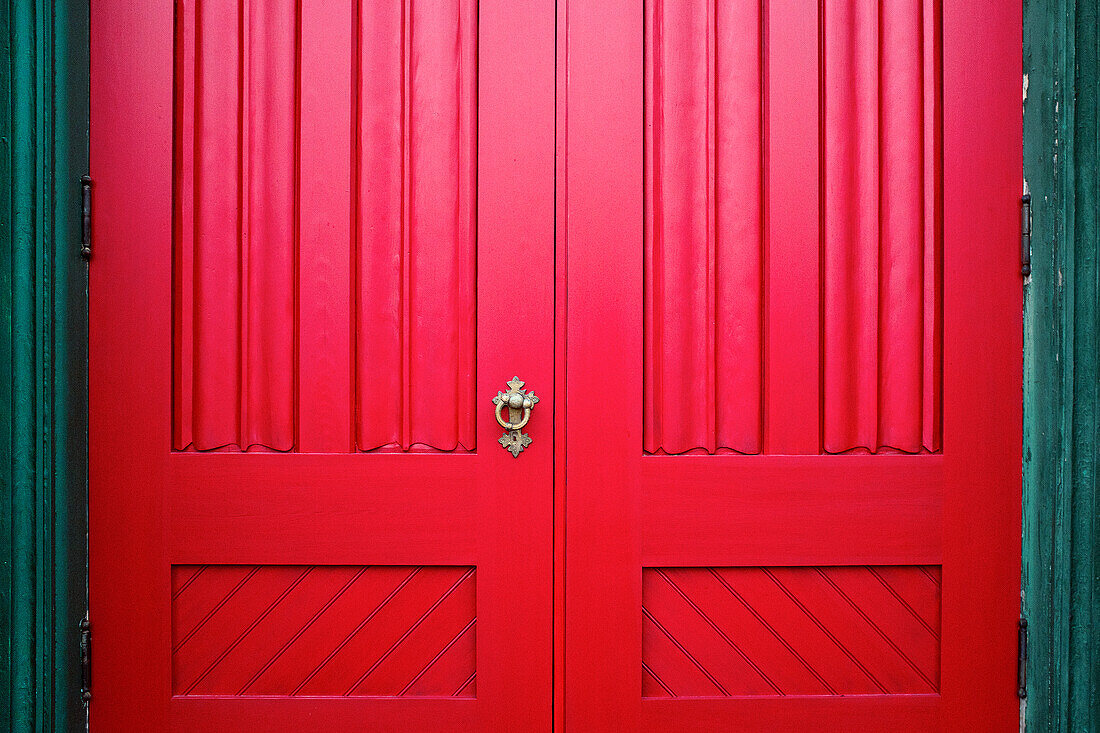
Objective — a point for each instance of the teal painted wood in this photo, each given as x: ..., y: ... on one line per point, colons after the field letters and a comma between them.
x: 43, y: 364
x: 1062, y: 317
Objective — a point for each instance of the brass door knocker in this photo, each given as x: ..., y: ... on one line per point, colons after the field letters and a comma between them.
x: 519, y: 403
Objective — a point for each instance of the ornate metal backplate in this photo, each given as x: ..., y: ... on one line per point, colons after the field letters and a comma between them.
x: 519, y: 403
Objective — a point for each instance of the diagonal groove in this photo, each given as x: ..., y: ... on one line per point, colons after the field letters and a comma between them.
x: 298, y: 634
x: 217, y: 607
x: 355, y: 631
x: 862, y: 614
x: 658, y: 680
x: 779, y: 637
x: 930, y: 575
x: 248, y: 629
x: 817, y: 622
x: 189, y: 581
x: 691, y: 658
x: 725, y: 637
x: 436, y: 658
x: 467, y: 683
x: 892, y: 591
x: 469, y: 572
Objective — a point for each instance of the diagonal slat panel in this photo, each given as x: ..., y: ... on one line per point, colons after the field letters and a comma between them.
x: 283, y: 630
x: 756, y: 631
x: 704, y: 641
x: 787, y: 669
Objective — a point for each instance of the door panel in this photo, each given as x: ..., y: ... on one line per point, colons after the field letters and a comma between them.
x: 325, y: 243
x: 882, y: 319
x: 711, y: 284
x: 407, y: 141
x: 774, y: 538
x: 276, y: 630
x: 850, y: 630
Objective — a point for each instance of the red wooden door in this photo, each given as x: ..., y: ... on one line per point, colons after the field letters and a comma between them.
x: 324, y: 242
x: 757, y: 259
x: 792, y: 420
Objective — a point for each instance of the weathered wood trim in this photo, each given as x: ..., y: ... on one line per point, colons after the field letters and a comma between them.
x: 43, y: 363
x: 1060, y: 568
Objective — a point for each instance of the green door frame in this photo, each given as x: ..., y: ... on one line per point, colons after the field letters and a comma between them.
x: 1061, y: 563
x: 43, y: 363
x: 43, y: 329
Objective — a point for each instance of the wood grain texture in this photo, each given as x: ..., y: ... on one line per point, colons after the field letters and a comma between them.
x: 982, y: 407
x: 320, y: 504
x: 727, y: 274
x: 797, y: 505
x: 703, y: 239
x: 1061, y: 323
x: 723, y: 632
x: 323, y: 630
x: 882, y: 257
x: 43, y: 363
x: 324, y: 241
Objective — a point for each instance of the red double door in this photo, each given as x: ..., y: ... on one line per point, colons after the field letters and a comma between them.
x: 755, y: 259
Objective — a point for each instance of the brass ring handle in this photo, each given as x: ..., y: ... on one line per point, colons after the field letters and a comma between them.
x: 517, y: 425
x: 515, y: 399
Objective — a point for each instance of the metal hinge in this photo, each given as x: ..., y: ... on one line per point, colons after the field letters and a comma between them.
x: 85, y: 659
x: 1021, y: 659
x: 1025, y: 234
x: 86, y: 217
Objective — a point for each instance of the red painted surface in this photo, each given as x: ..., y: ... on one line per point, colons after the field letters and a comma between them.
x: 762, y: 235
x: 288, y: 224
x: 882, y: 255
x: 877, y: 308
x: 283, y: 341
x: 809, y: 209
x: 862, y: 630
x: 281, y: 630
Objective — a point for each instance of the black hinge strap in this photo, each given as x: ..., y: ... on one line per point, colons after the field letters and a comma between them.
x: 1021, y: 660
x: 85, y: 659
x: 1025, y: 234
x: 86, y: 217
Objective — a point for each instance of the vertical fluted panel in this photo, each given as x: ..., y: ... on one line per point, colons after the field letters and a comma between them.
x: 441, y: 240
x: 851, y: 223
x: 703, y: 235
x: 415, y: 321
x: 396, y: 241
x: 215, y: 318
x: 183, y: 232
x: 268, y: 225
x: 380, y: 225
x: 932, y: 200
x: 902, y: 227
x: 881, y: 256
x: 739, y: 182
x: 234, y: 346
x: 880, y: 297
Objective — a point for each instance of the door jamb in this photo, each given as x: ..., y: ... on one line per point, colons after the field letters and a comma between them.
x: 43, y: 363
x: 1061, y: 592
